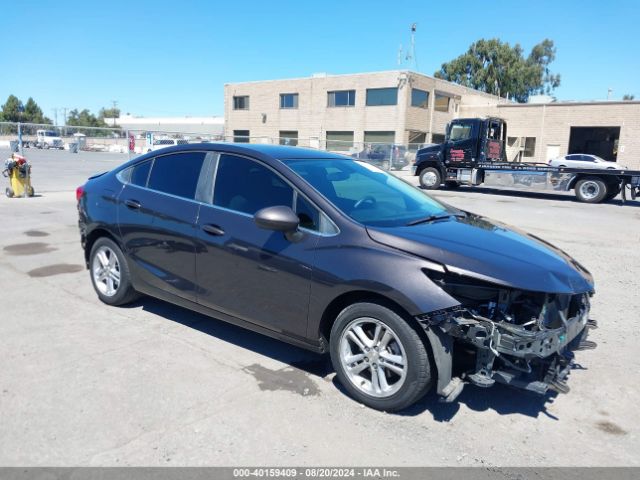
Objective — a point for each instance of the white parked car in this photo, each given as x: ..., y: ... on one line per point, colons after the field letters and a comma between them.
x: 583, y: 160
x: 166, y: 142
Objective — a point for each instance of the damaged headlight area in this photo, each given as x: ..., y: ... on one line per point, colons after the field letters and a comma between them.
x: 519, y: 338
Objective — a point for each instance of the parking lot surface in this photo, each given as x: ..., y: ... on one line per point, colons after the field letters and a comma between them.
x: 82, y: 383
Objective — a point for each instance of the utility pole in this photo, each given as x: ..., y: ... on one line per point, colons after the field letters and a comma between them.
x: 115, y: 105
x: 64, y: 119
x: 55, y: 115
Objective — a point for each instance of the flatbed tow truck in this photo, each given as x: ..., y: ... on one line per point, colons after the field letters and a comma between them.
x: 474, y: 153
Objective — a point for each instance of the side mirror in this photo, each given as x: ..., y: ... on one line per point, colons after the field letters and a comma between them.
x: 279, y: 218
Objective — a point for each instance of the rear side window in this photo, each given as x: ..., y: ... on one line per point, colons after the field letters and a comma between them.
x: 247, y: 186
x: 177, y: 173
x: 140, y: 174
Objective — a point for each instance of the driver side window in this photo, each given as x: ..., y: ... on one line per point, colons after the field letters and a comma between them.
x: 246, y: 186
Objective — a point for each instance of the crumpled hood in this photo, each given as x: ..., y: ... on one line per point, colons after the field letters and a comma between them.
x: 477, y: 247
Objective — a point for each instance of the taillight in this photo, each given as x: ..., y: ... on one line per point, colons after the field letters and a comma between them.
x: 79, y: 192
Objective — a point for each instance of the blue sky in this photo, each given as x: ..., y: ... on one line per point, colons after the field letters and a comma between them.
x: 173, y: 58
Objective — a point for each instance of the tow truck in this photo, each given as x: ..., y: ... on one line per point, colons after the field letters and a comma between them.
x: 474, y: 153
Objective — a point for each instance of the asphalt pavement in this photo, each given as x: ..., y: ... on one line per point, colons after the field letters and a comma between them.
x: 153, y: 384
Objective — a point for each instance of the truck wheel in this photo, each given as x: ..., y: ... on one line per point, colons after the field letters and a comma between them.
x: 591, y: 190
x: 9, y: 192
x: 379, y: 358
x: 46, y: 146
x: 430, y: 178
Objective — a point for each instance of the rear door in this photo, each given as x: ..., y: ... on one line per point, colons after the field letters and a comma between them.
x: 250, y: 273
x: 157, y: 215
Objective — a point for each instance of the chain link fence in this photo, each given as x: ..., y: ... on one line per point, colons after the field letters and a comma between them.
x: 21, y: 136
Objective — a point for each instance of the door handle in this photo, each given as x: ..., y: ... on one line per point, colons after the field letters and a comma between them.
x: 132, y: 204
x: 213, y: 230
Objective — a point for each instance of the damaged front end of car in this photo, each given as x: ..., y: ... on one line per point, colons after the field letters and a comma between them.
x: 519, y: 338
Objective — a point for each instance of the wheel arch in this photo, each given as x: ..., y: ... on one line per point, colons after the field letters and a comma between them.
x: 91, y: 239
x: 433, y: 162
x: 438, y: 344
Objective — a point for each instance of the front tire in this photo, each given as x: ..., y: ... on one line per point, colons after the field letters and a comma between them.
x: 430, y: 178
x: 109, y: 273
x: 379, y: 357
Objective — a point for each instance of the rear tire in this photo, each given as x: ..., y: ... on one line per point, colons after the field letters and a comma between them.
x: 430, y: 178
x: 9, y: 192
x: 591, y: 190
x: 109, y: 273
x: 388, y: 371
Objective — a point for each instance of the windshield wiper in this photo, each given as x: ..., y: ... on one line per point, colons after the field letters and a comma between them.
x: 437, y: 216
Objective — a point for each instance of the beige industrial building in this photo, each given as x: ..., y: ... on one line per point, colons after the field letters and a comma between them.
x: 345, y: 112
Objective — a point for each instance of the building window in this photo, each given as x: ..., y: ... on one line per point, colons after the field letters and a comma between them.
x: 288, y: 100
x: 339, y: 141
x: 441, y: 103
x: 379, y: 137
x: 529, y: 147
x: 241, y: 103
x: 416, y: 140
x: 382, y: 96
x: 341, y: 98
x: 437, y: 138
x: 419, y: 98
x: 289, y: 137
x: 241, y: 136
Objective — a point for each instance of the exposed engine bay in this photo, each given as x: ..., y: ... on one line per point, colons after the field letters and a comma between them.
x: 524, y: 339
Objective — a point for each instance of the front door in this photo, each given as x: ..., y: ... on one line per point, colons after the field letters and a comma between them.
x: 253, y: 274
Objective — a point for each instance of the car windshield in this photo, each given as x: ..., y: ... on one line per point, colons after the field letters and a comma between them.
x: 366, y: 194
x: 49, y: 134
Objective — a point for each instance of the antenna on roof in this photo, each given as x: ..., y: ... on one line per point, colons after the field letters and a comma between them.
x: 411, y: 54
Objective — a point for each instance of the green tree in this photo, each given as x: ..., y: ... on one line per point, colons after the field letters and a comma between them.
x: 496, y: 67
x: 33, y: 113
x: 109, y: 113
x: 627, y: 97
x: 84, y: 118
x: 12, y: 109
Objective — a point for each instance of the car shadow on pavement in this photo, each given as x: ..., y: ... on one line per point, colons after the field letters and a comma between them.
x: 310, y: 362
x: 501, y: 399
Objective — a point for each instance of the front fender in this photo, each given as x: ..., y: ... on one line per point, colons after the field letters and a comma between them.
x: 340, y: 269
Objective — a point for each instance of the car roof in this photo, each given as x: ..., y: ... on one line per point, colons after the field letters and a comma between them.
x: 280, y: 152
x: 283, y: 152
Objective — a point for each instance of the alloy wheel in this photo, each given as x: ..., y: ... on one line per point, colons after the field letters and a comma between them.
x: 105, y: 269
x: 373, y: 357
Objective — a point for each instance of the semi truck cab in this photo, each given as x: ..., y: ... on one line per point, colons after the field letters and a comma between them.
x: 468, y: 141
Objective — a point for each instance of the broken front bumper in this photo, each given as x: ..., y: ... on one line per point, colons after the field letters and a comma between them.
x: 537, y: 361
